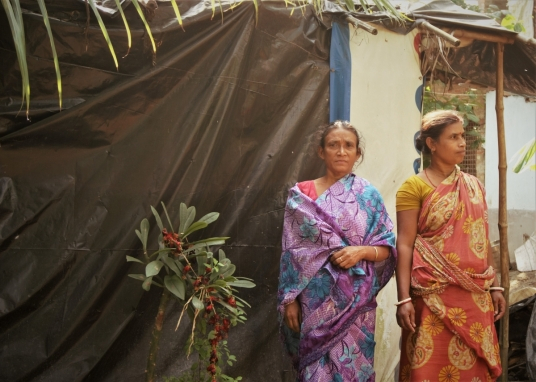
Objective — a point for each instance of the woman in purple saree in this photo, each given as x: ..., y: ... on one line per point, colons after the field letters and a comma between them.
x: 338, y: 252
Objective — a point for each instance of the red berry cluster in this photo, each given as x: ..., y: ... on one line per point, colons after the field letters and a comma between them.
x: 171, y: 239
x: 221, y: 326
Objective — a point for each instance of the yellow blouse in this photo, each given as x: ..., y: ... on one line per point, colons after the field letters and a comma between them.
x: 412, y: 194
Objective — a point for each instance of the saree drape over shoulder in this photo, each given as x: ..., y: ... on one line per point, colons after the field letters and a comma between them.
x: 336, y: 342
x: 455, y: 338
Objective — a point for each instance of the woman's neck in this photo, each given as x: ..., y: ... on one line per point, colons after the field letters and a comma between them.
x: 441, y: 169
x: 328, y: 180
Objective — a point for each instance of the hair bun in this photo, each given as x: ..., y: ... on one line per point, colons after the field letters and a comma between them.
x: 419, y: 143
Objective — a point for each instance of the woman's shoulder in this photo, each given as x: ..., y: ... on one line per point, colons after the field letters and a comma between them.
x: 308, y: 188
x: 414, y: 182
x: 471, y: 179
x: 412, y: 193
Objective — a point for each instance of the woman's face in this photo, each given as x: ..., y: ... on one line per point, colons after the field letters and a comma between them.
x: 339, y: 152
x: 450, y: 147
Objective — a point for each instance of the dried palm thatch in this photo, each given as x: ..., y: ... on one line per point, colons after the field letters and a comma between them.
x: 14, y: 14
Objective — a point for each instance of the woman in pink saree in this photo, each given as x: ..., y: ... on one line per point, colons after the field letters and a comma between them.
x: 448, y: 294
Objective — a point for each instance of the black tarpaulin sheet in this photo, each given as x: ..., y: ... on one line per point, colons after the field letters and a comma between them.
x: 223, y: 122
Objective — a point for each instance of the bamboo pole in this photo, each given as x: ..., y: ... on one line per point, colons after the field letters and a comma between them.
x: 360, y: 24
x: 503, y: 217
x: 484, y: 36
x: 438, y: 32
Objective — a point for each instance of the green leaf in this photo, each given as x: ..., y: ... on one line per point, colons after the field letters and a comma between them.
x: 143, y: 233
x: 137, y: 276
x: 472, y: 117
x: 153, y: 268
x: 201, y: 260
x: 228, y: 270
x: 197, y: 303
x: 156, y: 214
x: 147, y: 28
x: 177, y: 13
x: 14, y: 17
x: 160, y: 251
x: 172, y: 265
x: 525, y: 154
x: 127, y: 29
x: 194, y: 227
x: 220, y: 283
x: 219, y: 238
x: 130, y: 258
x: 189, y: 219
x: 225, y: 262
x: 167, y: 216
x: 221, y: 255
x: 183, y: 215
x: 104, y: 31
x: 210, y: 217
x: 175, y: 285
x: 43, y: 10
x: 147, y: 283
x: 229, y: 307
x: 242, y: 300
x: 242, y: 284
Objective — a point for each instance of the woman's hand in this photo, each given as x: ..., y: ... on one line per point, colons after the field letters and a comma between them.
x: 405, y: 316
x: 348, y: 256
x: 293, y: 316
x: 499, y: 304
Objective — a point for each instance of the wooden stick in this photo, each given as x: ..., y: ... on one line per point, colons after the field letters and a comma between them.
x: 484, y: 36
x: 360, y: 24
x: 438, y: 32
x: 503, y: 212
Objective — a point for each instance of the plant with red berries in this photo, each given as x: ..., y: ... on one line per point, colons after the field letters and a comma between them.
x: 203, y: 285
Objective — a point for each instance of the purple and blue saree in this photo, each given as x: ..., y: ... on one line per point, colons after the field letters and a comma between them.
x: 336, y: 342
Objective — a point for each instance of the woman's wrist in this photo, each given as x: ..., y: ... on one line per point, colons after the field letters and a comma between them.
x: 374, y: 253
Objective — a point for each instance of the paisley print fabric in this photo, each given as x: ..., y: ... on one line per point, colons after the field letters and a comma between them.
x: 336, y: 341
x: 455, y: 338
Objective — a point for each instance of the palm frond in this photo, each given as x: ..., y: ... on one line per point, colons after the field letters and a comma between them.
x: 147, y: 27
x: 525, y: 157
x: 177, y: 13
x: 104, y: 31
x: 44, y: 12
x: 14, y: 16
x: 126, y: 26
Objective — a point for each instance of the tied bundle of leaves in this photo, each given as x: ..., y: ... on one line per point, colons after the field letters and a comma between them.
x: 203, y: 285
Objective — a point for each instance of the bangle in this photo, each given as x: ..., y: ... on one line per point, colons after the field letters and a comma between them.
x: 497, y: 288
x: 403, y: 301
x: 376, y: 257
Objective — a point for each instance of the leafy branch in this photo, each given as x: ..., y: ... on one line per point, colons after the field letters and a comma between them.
x: 204, y: 286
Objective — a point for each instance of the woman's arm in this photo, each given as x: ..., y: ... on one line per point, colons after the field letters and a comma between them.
x: 407, y: 232
x: 349, y: 256
x: 499, y: 303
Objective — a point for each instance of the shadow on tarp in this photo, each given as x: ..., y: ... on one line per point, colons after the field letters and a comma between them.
x: 222, y: 122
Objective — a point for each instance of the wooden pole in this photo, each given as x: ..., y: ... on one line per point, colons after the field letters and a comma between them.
x: 503, y: 212
x: 459, y: 33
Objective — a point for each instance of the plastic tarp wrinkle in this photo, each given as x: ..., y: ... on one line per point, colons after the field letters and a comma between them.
x: 223, y: 121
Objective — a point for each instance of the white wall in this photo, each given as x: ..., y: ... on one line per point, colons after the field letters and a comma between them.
x: 520, y: 128
x: 385, y: 79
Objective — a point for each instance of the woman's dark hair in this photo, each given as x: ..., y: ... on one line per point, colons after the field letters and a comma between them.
x: 433, y: 124
x: 325, y: 130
